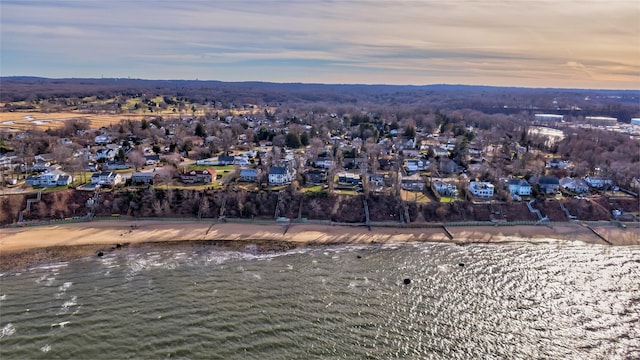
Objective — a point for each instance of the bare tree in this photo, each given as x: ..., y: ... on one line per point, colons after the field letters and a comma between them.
x: 136, y: 157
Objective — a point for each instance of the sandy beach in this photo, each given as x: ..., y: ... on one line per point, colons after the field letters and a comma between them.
x: 20, y: 246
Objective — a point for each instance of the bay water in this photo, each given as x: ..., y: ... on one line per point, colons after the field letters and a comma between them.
x: 381, y: 301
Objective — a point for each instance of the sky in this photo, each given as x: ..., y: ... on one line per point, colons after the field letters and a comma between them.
x: 527, y: 43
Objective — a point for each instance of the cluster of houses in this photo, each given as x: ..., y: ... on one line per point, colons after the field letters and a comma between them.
x: 352, y: 174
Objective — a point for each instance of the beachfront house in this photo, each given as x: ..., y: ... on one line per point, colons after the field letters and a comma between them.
x: 198, y: 176
x: 316, y: 176
x: 51, y: 178
x: 549, y: 184
x: 145, y: 178
x: 444, y: 188
x: 412, y: 183
x: 249, y: 175
x: 347, y: 178
x: 481, y: 189
x: 279, y: 175
x: 598, y: 183
x: 376, y: 180
x: 107, y: 178
x: 519, y: 187
x: 576, y: 185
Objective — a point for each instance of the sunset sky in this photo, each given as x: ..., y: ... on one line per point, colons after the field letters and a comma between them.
x: 581, y: 44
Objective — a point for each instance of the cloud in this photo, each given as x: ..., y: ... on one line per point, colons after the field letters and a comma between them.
x: 583, y: 43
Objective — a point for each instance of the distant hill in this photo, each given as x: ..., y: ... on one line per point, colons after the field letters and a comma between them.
x: 623, y: 104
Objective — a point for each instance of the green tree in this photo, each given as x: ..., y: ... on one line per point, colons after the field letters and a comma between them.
x: 121, y: 155
x: 293, y: 140
x: 410, y: 132
x: 304, y: 138
x: 200, y: 131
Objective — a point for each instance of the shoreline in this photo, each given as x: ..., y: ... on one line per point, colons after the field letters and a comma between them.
x: 20, y: 247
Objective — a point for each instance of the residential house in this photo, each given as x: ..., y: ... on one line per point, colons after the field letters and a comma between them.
x: 519, y: 187
x: 598, y: 183
x: 354, y: 163
x: 106, y: 178
x: 241, y: 160
x: 198, y: 176
x: 279, y: 175
x: 225, y: 160
x: 441, y: 152
x: 151, y: 160
x: 447, y: 166
x: 316, y: 176
x: 33, y: 180
x: 576, y: 185
x: 413, y: 165
x: 65, y: 179
x: 481, y: 189
x: 102, y: 139
x: 116, y: 165
x: 41, y: 165
x: 411, y: 153
x: 347, y: 178
x: 412, y: 183
x: 106, y: 153
x: 144, y: 177
x: 444, y: 188
x: 385, y: 164
x: 557, y: 164
x: 549, y: 184
x: 52, y: 178
x: 376, y: 180
x: 249, y: 175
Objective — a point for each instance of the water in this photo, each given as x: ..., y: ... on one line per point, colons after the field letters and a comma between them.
x: 516, y: 301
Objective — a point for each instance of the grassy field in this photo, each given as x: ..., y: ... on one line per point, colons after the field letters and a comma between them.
x: 312, y: 189
x: 21, y: 121
x: 415, y: 196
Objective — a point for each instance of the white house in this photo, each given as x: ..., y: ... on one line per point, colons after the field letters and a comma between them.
x: 106, y: 153
x: 481, y: 189
x: 445, y: 188
x: 107, y: 178
x: 51, y: 178
x: 519, y: 187
x: 574, y: 184
x: 279, y: 175
x: 413, y: 165
x: 102, y: 139
x: 598, y: 183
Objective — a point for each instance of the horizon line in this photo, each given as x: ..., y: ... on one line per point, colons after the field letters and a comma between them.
x: 313, y: 83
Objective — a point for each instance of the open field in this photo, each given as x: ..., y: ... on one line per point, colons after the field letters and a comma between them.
x: 20, y: 121
x: 415, y: 196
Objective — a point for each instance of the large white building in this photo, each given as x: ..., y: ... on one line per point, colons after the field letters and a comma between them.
x: 635, y: 121
x: 481, y: 189
x: 549, y: 117
x: 600, y: 120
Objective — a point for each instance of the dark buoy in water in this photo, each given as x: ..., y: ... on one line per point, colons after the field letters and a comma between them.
x: 359, y: 257
x: 407, y: 281
x: 100, y: 253
x: 461, y: 264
